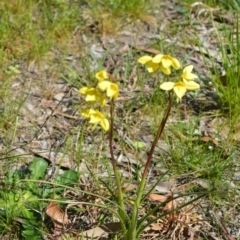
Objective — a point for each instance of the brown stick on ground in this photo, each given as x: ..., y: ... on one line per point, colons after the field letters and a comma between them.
x: 223, y: 227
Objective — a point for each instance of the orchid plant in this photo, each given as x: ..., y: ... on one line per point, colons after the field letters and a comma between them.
x: 106, y: 90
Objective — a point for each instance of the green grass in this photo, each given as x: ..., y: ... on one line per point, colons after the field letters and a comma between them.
x: 10, y: 109
x: 33, y: 27
x: 119, y: 8
x: 228, y: 84
x: 45, y: 33
x: 230, y: 5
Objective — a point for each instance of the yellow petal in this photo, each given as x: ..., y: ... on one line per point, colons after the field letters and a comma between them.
x: 87, y: 112
x: 112, y: 91
x: 102, y: 101
x: 167, y: 86
x: 105, y: 124
x: 96, y: 117
x: 188, y: 69
x: 191, y: 85
x: 104, y: 85
x: 92, y: 95
x: 187, y: 73
x: 157, y: 58
x: 175, y: 63
x: 167, y: 71
x: 189, y: 76
x: 91, y: 98
x: 102, y: 75
x: 180, y: 89
x: 144, y: 59
x: 166, y: 61
x: 83, y: 90
x: 152, y: 67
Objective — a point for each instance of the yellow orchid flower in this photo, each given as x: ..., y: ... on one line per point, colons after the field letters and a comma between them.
x: 164, y: 62
x: 187, y: 74
x: 87, y: 112
x: 102, y: 75
x: 180, y: 88
x: 93, y: 95
x: 96, y: 117
x: 151, y: 66
x: 110, y: 88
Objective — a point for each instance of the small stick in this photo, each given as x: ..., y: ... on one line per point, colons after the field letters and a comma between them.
x: 223, y: 227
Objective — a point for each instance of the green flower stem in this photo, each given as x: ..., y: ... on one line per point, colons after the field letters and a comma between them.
x: 132, y: 232
x: 119, y: 198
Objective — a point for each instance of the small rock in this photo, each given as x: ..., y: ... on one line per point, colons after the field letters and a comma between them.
x: 59, y: 96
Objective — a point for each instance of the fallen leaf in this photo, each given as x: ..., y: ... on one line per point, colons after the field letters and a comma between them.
x: 101, y: 231
x: 209, y: 139
x: 170, y: 204
x: 157, y: 197
x: 59, y: 218
x: 56, y: 213
x: 206, y: 139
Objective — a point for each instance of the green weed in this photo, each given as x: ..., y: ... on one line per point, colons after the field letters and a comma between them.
x: 19, y: 197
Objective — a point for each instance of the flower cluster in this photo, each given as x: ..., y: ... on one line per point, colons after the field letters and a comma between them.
x: 105, y: 89
x: 164, y: 63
